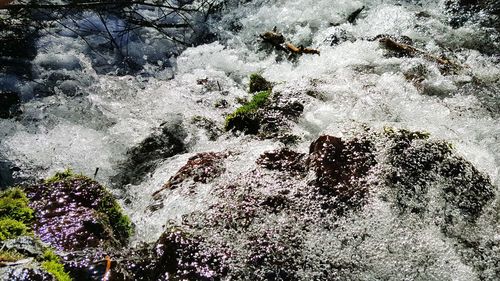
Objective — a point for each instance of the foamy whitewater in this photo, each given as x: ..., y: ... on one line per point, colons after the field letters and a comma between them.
x: 359, y: 86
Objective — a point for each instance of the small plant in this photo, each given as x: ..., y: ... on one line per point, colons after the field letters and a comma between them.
x: 243, y: 119
x: 52, y: 264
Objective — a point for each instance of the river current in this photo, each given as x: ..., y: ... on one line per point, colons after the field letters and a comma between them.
x: 92, y: 120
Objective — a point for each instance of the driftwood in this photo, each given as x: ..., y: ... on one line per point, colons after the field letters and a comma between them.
x: 410, y: 51
x: 278, y: 41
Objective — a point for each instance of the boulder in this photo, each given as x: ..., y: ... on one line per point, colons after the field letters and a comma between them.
x: 73, y: 212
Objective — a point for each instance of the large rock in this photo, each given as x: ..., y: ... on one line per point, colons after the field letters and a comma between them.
x: 73, y: 212
x: 312, y: 216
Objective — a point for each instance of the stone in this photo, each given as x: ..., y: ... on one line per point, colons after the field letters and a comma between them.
x: 165, y: 141
x: 73, y: 212
x: 339, y: 165
x: 284, y: 160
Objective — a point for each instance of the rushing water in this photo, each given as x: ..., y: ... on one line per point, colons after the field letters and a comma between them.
x: 360, y: 86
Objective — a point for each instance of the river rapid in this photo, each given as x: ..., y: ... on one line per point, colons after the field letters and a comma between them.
x: 94, y: 119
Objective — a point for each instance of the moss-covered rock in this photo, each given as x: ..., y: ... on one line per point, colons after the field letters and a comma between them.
x: 51, y: 262
x: 245, y: 118
x: 258, y: 84
x: 73, y: 212
x: 27, y: 258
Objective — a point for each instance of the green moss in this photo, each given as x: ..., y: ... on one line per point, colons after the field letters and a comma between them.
x: 243, y: 118
x: 64, y: 175
x: 52, y: 264
x: 14, y: 205
x: 15, y: 214
x: 10, y: 228
x: 10, y: 256
x: 119, y: 222
x: 258, y: 83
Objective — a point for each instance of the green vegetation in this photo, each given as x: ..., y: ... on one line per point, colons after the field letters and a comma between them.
x: 258, y: 83
x: 52, y: 264
x: 10, y: 256
x: 10, y: 228
x: 15, y: 214
x: 243, y: 119
x: 64, y: 175
x: 119, y: 222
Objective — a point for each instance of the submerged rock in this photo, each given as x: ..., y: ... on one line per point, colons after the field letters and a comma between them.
x: 302, y: 216
x: 258, y: 84
x: 202, y: 167
x: 166, y: 141
x: 73, y: 212
x: 338, y: 166
x: 284, y: 160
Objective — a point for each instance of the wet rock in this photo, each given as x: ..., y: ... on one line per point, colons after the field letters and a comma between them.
x: 180, y: 256
x: 203, y: 167
x: 413, y: 160
x: 212, y: 129
x: 6, y: 178
x: 467, y: 189
x: 25, y: 245
x: 74, y: 212
x: 258, y: 84
x: 338, y: 165
x: 273, y: 226
x: 29, y: 271
x: 9, y: 104
x: 284, y: 160
x: 354, y: 15
x: 200, y: 168
x: 166, y: 141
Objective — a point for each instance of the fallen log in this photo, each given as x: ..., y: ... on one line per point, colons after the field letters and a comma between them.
x: 277, y: 40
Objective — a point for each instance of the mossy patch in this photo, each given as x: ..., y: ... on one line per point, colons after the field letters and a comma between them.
x: 258, y: 83
x: 10, y: 256
x: 10, y: 228
x: 119, y: 222
x: 52, y: 264
x: 15, y: 214
x: 64, y: 175
x: 244, y: 118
